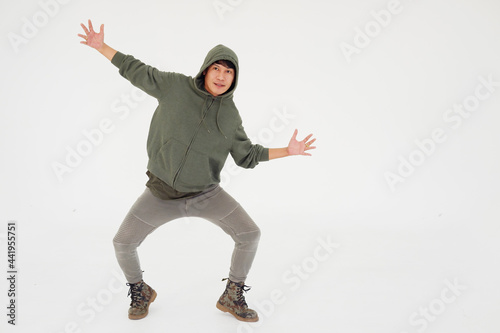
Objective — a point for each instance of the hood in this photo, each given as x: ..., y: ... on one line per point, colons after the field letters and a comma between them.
x: 219, y: 52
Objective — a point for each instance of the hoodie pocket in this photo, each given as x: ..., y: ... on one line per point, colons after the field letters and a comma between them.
x: 199, y: 170
x: 169, y: 157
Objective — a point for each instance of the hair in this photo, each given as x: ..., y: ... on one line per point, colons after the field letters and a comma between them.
x: 225, y: 63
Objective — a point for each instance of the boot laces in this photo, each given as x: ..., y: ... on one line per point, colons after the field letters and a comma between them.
x: 239, y: 293
x: 240, y: 288
x: 135, y: 293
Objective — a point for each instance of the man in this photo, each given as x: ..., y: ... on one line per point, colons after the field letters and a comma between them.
x: 193, y: 130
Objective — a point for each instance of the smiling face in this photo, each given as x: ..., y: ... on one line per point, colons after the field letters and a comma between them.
x: 218, y: 79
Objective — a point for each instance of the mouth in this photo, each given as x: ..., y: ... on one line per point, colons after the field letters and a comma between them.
x: 219, y: 85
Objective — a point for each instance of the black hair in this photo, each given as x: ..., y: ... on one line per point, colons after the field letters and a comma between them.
x: 225, y: 63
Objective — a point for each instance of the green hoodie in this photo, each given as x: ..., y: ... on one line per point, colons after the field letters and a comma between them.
x: 191, y: 132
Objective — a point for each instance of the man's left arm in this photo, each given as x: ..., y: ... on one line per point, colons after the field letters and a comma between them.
x: 295, y: 147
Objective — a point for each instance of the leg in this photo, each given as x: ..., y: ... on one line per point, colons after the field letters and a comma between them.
x: 220, y: 208
x: 147, y: 214
x: 130, y: 235
x: 246, y: 236
x: 223, y: 210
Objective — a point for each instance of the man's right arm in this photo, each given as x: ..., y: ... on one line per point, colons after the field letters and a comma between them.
x: 96, y: 40
x: 145, y: 77
x: 107, y: 51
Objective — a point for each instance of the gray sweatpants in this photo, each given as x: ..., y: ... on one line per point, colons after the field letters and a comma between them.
x: 214, y: 205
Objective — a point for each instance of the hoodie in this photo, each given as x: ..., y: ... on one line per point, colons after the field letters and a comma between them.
x: 192, y: 132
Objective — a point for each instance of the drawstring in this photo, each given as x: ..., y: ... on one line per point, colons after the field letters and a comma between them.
x: 202, y: 116
x: 203, y: 107
x: 217, y: 119
x: 216, y: 116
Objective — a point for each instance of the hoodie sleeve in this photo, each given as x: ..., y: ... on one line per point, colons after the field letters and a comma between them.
x: 246, y: 154
x: 147, y: 78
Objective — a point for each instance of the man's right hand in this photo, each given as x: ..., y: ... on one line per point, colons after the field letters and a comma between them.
x: 92, y: 38
x: 96, y: 40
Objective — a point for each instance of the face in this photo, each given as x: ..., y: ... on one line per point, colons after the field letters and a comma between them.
x: 218, y: 79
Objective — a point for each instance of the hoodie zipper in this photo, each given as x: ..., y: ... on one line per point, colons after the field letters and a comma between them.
x: 195, y: 134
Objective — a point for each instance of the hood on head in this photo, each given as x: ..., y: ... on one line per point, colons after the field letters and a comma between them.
x: 219, y: 52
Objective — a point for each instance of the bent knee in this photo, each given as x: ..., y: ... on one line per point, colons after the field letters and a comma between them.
x: 124, y: 248
x: 250, y: 237
x: 125, y: 242
x: 256, y: 235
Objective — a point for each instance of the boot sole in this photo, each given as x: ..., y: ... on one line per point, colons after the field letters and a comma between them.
x: 225, y: 309
x: 136, y: 317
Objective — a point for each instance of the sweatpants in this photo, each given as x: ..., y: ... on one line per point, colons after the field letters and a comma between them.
x: 214, y: 205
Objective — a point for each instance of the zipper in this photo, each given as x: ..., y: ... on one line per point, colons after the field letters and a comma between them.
x: 195, y: 134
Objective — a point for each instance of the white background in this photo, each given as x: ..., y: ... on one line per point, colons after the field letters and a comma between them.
x: 398, y: 248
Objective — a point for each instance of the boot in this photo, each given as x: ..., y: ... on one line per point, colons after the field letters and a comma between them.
x: 233, y: 301
x: 142, y: 296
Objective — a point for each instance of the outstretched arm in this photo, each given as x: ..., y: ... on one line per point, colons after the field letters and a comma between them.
x: 295, y: 147
x: 96, y: 40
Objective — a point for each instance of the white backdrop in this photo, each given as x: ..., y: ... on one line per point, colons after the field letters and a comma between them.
x: 391, y: 225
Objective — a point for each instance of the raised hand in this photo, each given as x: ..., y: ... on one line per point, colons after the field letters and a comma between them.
x: 296, y: 147
x: 92, y: 38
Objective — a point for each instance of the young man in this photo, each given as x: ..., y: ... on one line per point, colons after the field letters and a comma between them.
x: 194, y: 128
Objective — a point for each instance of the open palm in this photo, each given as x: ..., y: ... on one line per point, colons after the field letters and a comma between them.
x: 296, y: 147
x: 92, y: 38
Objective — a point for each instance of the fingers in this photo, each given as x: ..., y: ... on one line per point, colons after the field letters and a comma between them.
x: 307, y: 137
x: 310, y: 142
x: 84, y: 28
x: 85, y: 39
x: 307, y: 144
x: 307, y: 154
x: 89, y: 32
